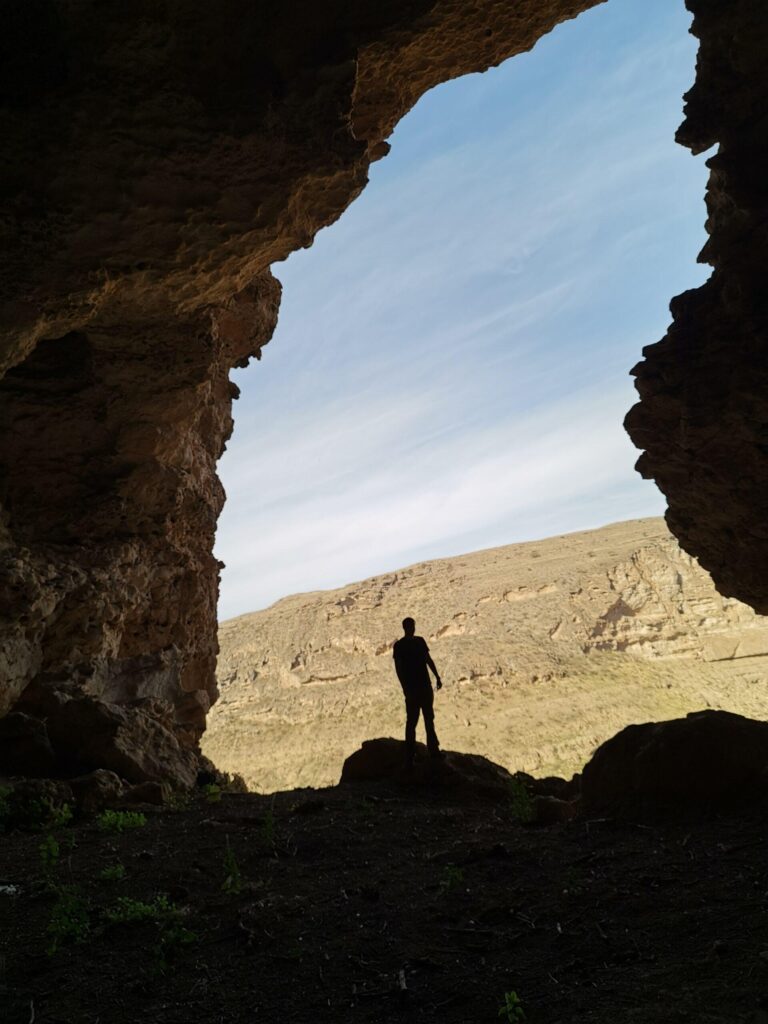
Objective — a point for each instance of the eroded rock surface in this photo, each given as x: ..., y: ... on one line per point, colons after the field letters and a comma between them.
x: 546, y: 649
x: 703, y: 414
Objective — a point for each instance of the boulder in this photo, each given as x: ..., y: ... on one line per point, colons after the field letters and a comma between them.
x: 97, y: 790
x: 88, y: 734
x: 467, y: 775
x: 707, y: 758
x: 24, y: 746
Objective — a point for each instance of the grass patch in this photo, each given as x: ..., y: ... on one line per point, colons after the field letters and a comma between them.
x: 120, y: 821
x: 70, y: 919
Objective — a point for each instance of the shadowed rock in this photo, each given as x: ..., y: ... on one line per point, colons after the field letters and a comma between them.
x: 383, y: 760
x: 86, y: 734
x: 707, y: 758
x: 24, y: 746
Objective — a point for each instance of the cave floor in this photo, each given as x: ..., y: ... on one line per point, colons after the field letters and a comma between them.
x: 373, y: 904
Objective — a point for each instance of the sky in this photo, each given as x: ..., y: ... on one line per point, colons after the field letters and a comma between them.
x: 451, y: 366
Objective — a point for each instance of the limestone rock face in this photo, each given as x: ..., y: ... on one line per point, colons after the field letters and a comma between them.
x: 546, y: 649
x: 158, y: 158
x: 703, y: 412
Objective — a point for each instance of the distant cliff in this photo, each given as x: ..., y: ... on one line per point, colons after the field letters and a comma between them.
x: 546, y: 649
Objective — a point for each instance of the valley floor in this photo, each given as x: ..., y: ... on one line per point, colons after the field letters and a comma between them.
x: 383, y: 904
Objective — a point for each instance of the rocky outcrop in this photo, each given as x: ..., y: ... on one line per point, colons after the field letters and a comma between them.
x: 467, y: 776
x: 159, y: 159
x: 546, y: 649
x: 703, y: 412
x: 708, y: 758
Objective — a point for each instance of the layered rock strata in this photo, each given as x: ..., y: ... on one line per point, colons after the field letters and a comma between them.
x: 546, y: 650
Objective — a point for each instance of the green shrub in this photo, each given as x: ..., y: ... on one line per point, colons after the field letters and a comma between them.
x: 233, y: 880
x: 129, y: 911
x: 49, y: 851
x: 512, y: 1009
x: 60, y: 816
x: 453, y: 876
x: 172, y: 937
x: 520, y: 802
x: 113, y: 873
x: 120, y: 821
x: 70, y: 920
x: 22, y: 810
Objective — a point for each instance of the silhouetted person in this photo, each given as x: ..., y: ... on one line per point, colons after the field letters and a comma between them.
x: 412, y: 659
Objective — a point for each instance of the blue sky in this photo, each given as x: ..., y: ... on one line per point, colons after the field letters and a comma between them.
x: 450, y: 369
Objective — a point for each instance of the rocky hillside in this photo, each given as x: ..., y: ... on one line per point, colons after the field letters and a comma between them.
x: 546, y: 649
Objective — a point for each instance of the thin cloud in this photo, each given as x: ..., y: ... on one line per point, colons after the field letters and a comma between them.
x: 450, y: 367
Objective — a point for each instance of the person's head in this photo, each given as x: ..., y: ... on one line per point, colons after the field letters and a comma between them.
x: 409, y: 626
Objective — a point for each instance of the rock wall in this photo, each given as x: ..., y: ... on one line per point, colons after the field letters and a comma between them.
x: 703, y: 414
x: 158, y: 158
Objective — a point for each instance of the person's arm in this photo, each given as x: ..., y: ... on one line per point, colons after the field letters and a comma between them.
x: 398, y: 669
x: 431, y: 664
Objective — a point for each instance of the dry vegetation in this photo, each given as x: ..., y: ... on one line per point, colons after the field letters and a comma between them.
x: 546, y: 650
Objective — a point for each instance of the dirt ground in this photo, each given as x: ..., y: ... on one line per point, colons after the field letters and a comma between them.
x: 382, y: 903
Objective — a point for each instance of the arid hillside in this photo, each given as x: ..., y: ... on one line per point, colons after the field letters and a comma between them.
x: 546, y: 650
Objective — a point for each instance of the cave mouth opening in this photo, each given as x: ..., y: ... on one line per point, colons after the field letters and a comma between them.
x: 450, y: 368
x: 163, y: 284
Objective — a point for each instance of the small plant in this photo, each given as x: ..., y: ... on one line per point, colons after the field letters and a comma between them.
x: 23, y: 810
x: 113, y: 873
x: 512, y: 1009
x: 49, y: 854
x: 60, y: 816
x: 129, y: 911
x: 70, y: 921
x: 267, y: 834
x: 164, y: 916
x: 520, y: 802
x: 212, y: 793
x: 453, y: 876
x: 233, y: 879
x: 120, y: 821
x: 172, y: 937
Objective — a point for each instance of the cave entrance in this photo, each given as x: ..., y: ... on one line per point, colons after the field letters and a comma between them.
x: 450, y: 370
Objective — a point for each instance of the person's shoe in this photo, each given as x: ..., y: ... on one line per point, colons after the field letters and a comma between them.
x: 437, y: 755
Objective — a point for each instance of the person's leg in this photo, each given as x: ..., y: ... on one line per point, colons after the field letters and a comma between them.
x: 412, y: 708
x: 428, y: 710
